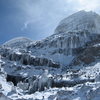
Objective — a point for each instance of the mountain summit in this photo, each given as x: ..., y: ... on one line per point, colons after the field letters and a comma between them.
x: 80, y: 21
x: 18, y: 42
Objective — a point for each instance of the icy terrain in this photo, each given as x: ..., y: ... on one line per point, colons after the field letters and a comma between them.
x: 19, y: 42
x: 64, y: 66
x: 80, y: 21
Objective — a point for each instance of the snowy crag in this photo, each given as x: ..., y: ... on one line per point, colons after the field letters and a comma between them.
x: 64, y: 66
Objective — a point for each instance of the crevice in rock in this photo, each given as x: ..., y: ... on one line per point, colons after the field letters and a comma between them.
x: 14, y: 79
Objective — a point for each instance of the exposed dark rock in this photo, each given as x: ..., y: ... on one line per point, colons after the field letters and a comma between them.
x: 72, y: 83
x: 87, y: 54
x: 14, y: 79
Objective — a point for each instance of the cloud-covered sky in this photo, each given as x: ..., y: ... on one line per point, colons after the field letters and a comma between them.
x: 37, y: 19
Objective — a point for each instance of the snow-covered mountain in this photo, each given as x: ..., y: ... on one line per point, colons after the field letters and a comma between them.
x: 64, y: 66
x: 19, y: 42
x: 80, y: 21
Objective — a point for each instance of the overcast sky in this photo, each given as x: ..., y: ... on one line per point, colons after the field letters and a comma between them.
x: 37, y: 19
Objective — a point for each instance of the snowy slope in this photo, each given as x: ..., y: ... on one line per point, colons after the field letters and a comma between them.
x: 80, y: 21
x: 18, y: 42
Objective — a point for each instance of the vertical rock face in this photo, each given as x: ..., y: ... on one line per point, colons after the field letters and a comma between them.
x: 78, y: 28
x: 72, y: 32
x: 72, y: 40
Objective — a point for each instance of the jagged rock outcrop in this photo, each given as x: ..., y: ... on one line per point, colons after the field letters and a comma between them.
x: 41, y: 83
x: 89, y: 53
x: 72, y: 33
x: 27, y: 59
x: 61, y: 43
x: 15, y: 79
x: 23, y: 86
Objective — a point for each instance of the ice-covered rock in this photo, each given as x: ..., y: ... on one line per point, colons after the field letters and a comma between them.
x: 41, y: 83
x: 19, y: 42
x: 87, y: 54
x: 15, y: 79
x: 23, y: 86
x: 45, y: 81
x: 27, y: 59
x: 78, y: 28
x: 73, y: 32
x: 80, y: 21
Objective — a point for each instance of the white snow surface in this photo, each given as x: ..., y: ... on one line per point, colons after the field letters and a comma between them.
x: 18, y: 42
x: 80, y: 21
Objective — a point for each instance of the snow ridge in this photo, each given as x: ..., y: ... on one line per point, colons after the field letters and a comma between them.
x: 80, y: 21
x: 17, y: 42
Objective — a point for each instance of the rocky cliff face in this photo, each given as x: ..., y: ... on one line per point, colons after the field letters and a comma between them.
x: 72, y: 33
x: 89, y: 53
